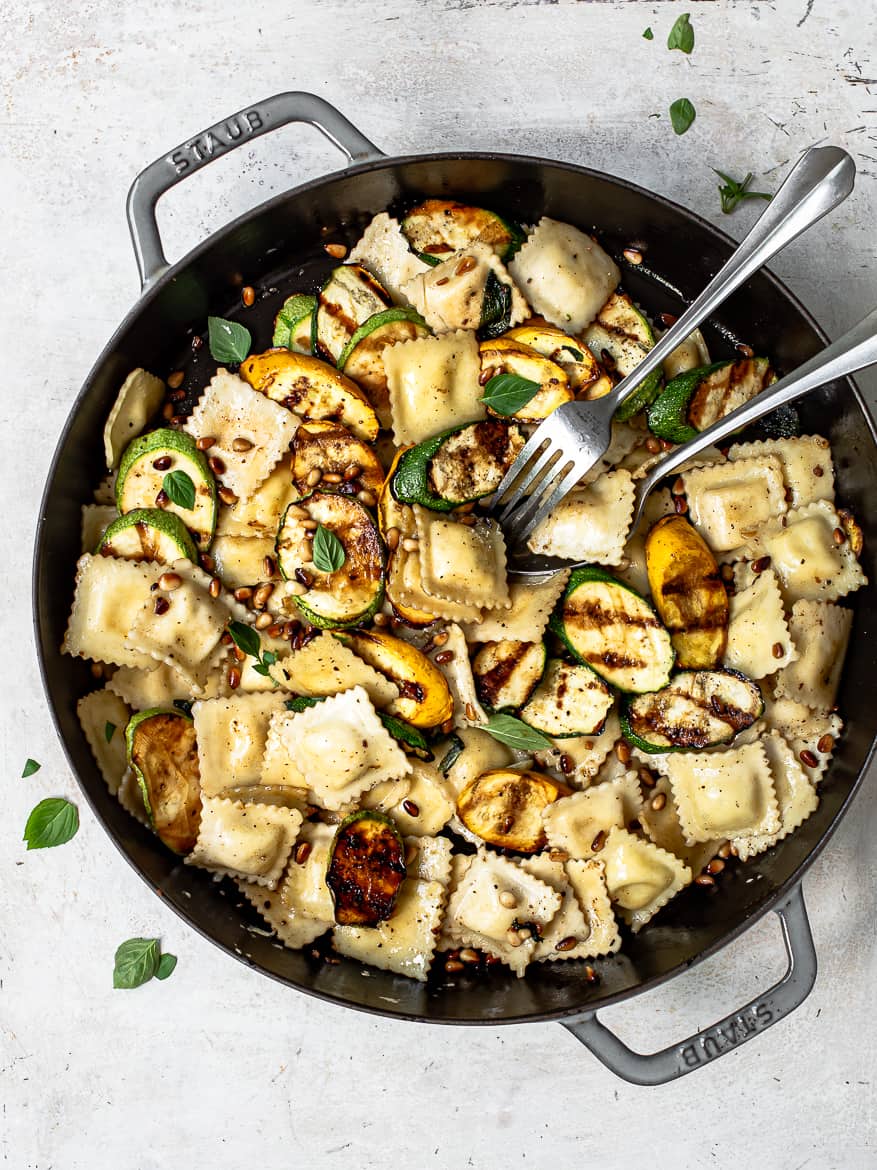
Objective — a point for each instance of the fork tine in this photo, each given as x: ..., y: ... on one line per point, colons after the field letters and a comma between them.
x: 520, y: 519
x: 569, y: 481
x: 543, y: 436
x: 538, y: 468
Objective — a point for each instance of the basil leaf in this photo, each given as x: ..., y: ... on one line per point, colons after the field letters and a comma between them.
x: 302, y: 702
x: 681, y: 34
x: 507, y: 393
x: 260, y: 668
x: 53, y: 822
x: 165, y: 966
x: 516, y: 734
x: 576, y: 353
x: 269, y: 658
x: 30, y: 767
x: 732, y: 192
x: 452, y: 755
x: 184, y: 705
x: 294, y: 309
x: 682, y: 114
x: 109, y: 731
x: 648, y: 35
x: 137, y: 961
x: 329, y: 554
x: 496, y: 308
x: 229, y: 342
x: 245, y: 638
x: 178, y: 487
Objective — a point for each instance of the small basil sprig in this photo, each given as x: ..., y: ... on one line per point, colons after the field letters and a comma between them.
x: 246, y: 639
x: 682, y: 114
x: 516, y: 734
x: 53, y: 822
x: 179, y: 489
x: 30, y: 767
x: 508, y: 393
x: 138, y: 960
x: 229, y: 342
x: 681, y: 34
x: 329, y: 554
x: 732, y: 192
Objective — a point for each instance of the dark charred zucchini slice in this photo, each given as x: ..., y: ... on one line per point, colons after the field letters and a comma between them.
x: 352, y: 593
x: 620, y: 337
x: 346, y: 301
x: 697, y: 710
x: 695, y: 400
x: 457, y: 466
x: 437, y: 228
x: 608, y: 626
x: 505, y: 807
x: 366, y: 868
x: 570, y: 700
x: 507, y: 673
x: 331, y: 447
x: 163, y: 753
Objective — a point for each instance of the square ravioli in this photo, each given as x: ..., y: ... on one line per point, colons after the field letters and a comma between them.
x: 229, y: 409
x: 591, y: 524
x: 109, y: 595
x: 796, y: 795
x: 810, y: 554
x: 728, y: 501
x: 759, y: 641
x: 231, y: 734
x: 641, y: 877
x: 433, y: 385
x: 339, y: 747
x: 103, y: 718
x: 325, y: 666
x: 462, y: 563
x: 821, y: 632
x: 807, y: 466
x: 580, y: 823
x: 723, y: 793
x: 250, y: 841
x: 406, y: 941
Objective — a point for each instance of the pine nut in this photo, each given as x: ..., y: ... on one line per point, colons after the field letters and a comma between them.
x: 704, y: 879
x: 838, y: 536
x: 658, y: 801
x: 310, y: 525
x: 566, y: 764
x: 444, y: 280
x: 313, y: 477
x: 331, y: 477
x: 808, y: 758
x: 367, y: 498
x: 513, y: 938
x: 622, y: 752
x: 205, y: 443
x: 381, y: 619
x: 411, y: 808
x: 724, y: 850
x: 598, y: 842
x: 632, y: 256
x: 215, y: 587
x: 175, y: 380
x: 167, y: 411
x: 241, y: 444
x: 298, y: 512
x: 248, y: 295
x: 746, y: 350
x: 392, y: 538
x: 468, y: 955
x: 97, y: 670
x: 444, y: 656
x: 234, y: 678
x: 470, y: 713
x: 715, y: 866
x: 227, y: 496
x: 302, y: 852
x: 409, y: 544
x: 508, y: 899
x: 777, y: 650
x: 447, y: 727
x: 761, y: 564
x: 465, y: 265
x: 566, y: 944
x: 336, y: 251
x: 825, y: 744
x: 524, y: 933
x: 351, y: 472
x: 162, y: 499
x: 558, y: 855
x: 818, y: 471
x: 653, y: 446
x: 260, y: 597
x: 162, y: 605
x: 162, y: 463
x: 269, y: 567
x: 680, y: 504
x: 591, y: 974
x: 646, y: 778
x: 170, y: 581
x: 440, y: 638
x: 264, y: 620
x: 243, y: 594
x: 216, y: 465
x: 485, y: 375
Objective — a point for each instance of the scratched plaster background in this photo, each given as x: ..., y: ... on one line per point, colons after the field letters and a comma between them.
x: 220, y: 1068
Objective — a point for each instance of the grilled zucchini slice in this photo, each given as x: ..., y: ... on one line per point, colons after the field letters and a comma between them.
x: 505, y: 807
x: 312, y: 389
x: 512, y: 357
x: 347, y: 300
x: 460, y: 465
x: 695, y: 400
x: 570, y: 700
x: 331, y: 447
x: 437, y: 227
x: 697, y: 710
x: 363, y: 357
x: 365, y: 869
x: 608, y: 626
x: 621, y: 337
x: 574, y: 358
x: 507, y: 673
x: 148, y: 534
x: 293, y: 325
x: 354, y: 592
x: 163, y: 755
x: 688, y: 592
x: 424, y: 697
x: 140, y: 481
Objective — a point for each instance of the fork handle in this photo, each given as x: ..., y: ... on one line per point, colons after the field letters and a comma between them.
x: 854, y: 351
x: 821, y: 179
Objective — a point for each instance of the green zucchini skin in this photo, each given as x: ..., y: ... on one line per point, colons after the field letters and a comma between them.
x: 668, y: 415
x: 409, y: 484
x: 378, y: 321
x: 347, y: 300
x: 292, y: 314
x: 170, y: 532
x: 627, y: 336
x: 612, y: 660
x: 700, y: 728
x: 138, y: 482
x: 437, y: 228
x: 492, y: 451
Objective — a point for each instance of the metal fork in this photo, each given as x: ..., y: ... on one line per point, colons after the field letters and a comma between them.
x: 567, y: 444
x: 854, y: 351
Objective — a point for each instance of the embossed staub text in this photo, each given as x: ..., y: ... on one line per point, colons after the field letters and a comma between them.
x: 219, y: 138
x: 731, y: 1032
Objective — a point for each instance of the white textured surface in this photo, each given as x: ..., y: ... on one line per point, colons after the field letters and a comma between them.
x: 218, y: 1067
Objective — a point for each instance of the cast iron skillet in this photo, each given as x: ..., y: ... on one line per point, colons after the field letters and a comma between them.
x: 277, y: 248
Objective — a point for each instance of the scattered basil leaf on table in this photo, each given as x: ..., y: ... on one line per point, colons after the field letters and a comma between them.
x: 30, y: 767
x: 329, y: 554
x: 648, y: 35
x: 733, y: 192
x: 681, y: 34
x: 229, y: 342
x: 179, y: 489
x: 507, y: 393
x: 109, y: 731
x: 516, y: 734
x: 136, y: 962
x: 165, y: 966
x: 53, y: 822
x: 682, y: 114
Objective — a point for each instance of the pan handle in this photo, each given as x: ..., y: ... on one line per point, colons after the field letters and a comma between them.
x: 656, y: 1068
x: 193, y: 154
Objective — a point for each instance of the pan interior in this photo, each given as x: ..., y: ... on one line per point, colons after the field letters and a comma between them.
x: 278, y: 249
